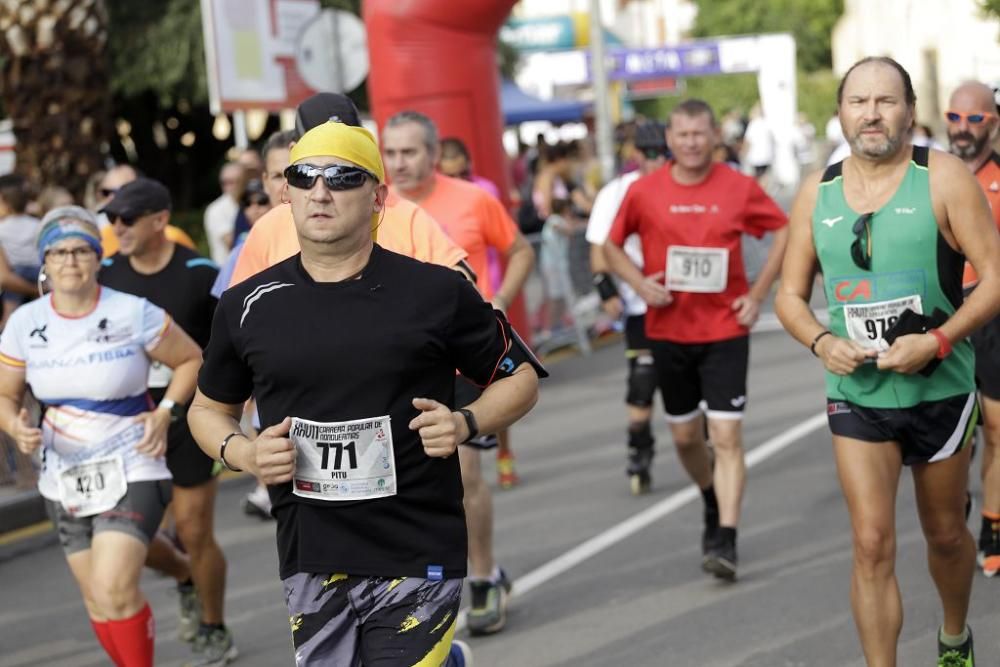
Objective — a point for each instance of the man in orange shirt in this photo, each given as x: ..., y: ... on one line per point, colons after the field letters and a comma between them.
x: 405, y: 227
x: 972, y: 128
x: 476, y: 221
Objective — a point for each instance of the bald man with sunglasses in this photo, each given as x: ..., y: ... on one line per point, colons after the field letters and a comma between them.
x: 888, y: 228
x: 973, y: 127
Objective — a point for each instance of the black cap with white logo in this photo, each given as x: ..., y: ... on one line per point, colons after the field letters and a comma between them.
x: 324, y: 107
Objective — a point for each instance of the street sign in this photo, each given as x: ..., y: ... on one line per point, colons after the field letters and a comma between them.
x: 273, y: 54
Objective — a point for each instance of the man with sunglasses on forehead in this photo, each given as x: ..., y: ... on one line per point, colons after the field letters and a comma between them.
x: 972, y: 131
x: 690, y: 216
x: 350, y: 351
x: 178, y: 280
x: 887, y: 228
x: 618, y: 298
x: 404, y: 228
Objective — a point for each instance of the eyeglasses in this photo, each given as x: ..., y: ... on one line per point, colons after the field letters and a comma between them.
x: 108, y: 192
x: 970, y: 118
x: 336, y: 177
x: 62, y: 255
x: 862, y: 234
x: 654, y: 153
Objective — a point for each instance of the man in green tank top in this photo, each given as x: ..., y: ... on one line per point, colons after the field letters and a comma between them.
x: 889, y: 229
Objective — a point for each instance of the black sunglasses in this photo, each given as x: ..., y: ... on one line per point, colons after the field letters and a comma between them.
x: 127, y: 221
x: 862, y: 229
x: 335, y: 177
x: 654, y: 153
x: 258, y: 200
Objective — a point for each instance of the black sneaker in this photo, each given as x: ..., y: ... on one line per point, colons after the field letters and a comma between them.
x: 721, y: 560
x: 710, y: 532
x: 488, y: 611
x: 956, y: 656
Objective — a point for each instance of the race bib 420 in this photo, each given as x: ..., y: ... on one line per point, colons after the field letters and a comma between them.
x: 691, y: 269
x: 93, y: 487
x: 338, y: 461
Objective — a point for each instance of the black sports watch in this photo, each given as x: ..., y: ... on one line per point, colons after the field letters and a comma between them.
x: 470, y: 423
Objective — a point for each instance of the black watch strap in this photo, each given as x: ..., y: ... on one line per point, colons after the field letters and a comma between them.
x: 470, y: 423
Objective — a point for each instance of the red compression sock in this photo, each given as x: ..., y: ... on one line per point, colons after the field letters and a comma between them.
x: 133, y: 638
x: 103, y: 632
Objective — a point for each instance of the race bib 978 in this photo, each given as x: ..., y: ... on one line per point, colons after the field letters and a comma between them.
x: 867, y: 323
x: 338, y: 461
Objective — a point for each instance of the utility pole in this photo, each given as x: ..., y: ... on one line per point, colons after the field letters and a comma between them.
x: 599, y: 78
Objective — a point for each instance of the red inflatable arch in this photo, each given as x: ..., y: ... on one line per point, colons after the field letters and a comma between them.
x: 438, y: 57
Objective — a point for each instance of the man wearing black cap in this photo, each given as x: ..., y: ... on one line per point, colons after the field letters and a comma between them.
x: 618, y: 298
x: 178, y: 280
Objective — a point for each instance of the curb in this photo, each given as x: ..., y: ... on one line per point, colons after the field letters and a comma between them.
x: 21, y: 510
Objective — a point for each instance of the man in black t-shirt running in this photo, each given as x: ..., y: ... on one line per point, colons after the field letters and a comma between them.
x: 351, y: 351
x: 178, y: 280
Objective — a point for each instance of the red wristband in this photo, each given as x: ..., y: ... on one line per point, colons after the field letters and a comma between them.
x: 944, y: 345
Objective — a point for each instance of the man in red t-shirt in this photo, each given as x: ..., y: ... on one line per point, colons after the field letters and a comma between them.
x: 972, y: 128
x: 690, y: 216
x: 476, y: 221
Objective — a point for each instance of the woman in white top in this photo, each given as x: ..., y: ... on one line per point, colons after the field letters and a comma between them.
x: 85, y: 351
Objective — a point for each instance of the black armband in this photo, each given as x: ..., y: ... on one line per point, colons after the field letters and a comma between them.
x: 605, y: 286
x: 517, y: 352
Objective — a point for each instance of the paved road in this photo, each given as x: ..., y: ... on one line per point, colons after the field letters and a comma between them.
x: 635, y: 597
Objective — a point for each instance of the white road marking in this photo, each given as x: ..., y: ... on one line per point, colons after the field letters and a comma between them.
x: 637, y: 522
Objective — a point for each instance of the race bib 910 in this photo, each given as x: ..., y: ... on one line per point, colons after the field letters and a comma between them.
x: 691, y: 269
x: 338, y: 461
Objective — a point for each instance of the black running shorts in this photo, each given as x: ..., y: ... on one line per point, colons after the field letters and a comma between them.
x: 189, y: 465
x: 138, y: 514
x: 986, y: 341
x: 927, y: 432
x: 713, y: 373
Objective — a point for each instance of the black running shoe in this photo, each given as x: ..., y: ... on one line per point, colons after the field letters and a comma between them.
x: 488, y: 611
x: 956, y: 656
x: 710, y: 532
x: 721, y: 560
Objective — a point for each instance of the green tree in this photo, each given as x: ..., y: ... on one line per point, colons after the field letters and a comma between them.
x: 727, y: 92
x: 991, y: 8
x: 54, y: 81
x: 810, y: 21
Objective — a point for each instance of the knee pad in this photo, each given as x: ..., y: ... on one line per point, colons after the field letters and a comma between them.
x: 641, y: 381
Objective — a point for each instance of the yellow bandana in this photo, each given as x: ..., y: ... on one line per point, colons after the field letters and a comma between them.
x: 346, y: 142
